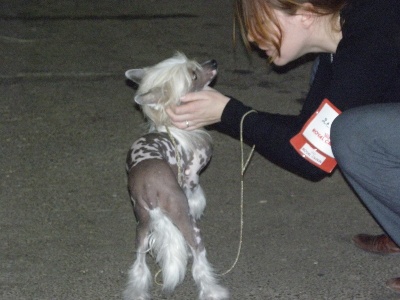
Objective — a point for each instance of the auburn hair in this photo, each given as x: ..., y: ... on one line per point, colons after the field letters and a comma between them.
x: 258, y: 21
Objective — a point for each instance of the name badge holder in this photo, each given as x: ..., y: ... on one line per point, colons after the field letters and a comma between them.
x: 313, y: 142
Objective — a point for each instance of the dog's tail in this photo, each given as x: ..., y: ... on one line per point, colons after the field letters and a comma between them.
x: 169, y: 246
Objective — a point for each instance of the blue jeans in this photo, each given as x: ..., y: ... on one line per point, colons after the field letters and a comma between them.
x: 366, y: 143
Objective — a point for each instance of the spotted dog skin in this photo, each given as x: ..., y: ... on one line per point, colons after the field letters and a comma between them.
x: 151, y: 146
x: 159, y: 148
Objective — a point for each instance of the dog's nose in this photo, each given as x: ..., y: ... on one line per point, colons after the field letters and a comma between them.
x: 214, y: 63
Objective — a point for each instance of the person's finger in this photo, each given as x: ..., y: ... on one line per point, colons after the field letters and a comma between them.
x: 189, y: 97
x: 185, y: 125
x: 176, y: 116
x: 200, y: 95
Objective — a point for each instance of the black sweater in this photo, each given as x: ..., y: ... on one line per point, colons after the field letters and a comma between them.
x: 364, y: 70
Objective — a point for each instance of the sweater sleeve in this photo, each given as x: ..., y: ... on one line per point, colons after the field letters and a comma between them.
x: 270, y: 133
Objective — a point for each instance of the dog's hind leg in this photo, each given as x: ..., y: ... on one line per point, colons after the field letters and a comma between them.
x: 139, y: 282
x: 154, y: 184
x: 170, y: 248
x: 203, y: 274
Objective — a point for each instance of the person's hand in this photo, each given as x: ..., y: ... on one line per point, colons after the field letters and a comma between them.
x: 198, y: 109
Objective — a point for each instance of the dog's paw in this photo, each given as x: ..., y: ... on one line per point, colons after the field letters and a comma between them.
x: 217, y: 292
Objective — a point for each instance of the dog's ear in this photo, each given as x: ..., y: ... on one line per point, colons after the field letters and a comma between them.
x: 151, y: 97
x: 136, y: 75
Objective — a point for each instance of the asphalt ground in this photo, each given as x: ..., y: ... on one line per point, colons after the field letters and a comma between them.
x: 67, y: 121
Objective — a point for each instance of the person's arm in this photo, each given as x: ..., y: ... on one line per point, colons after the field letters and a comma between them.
x: 270, y: 133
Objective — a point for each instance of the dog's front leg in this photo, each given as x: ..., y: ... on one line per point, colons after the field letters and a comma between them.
x: 203, y: 273
x: 197, y: 201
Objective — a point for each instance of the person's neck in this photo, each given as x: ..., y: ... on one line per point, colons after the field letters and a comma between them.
x: 327, y: 35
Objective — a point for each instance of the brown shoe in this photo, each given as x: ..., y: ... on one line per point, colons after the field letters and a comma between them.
x: 380, y: 244
x: 394, y: 284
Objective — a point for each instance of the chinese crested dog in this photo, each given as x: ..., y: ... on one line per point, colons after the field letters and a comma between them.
x: 163, y: 179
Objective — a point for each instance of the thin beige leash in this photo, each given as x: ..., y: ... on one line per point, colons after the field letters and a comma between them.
x: 155, y: 278
x: 243, y: 169
x: 177, y: 156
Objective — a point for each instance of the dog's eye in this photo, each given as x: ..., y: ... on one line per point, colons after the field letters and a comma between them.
x: 194, y: 75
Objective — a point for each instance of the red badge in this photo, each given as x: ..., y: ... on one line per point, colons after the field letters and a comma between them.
x: 313, y: 142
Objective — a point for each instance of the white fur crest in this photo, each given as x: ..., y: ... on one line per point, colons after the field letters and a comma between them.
x: 163, y: 84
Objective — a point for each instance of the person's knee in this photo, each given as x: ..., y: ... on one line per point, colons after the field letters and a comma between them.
x: 350, y: 137
x: 340, y: 136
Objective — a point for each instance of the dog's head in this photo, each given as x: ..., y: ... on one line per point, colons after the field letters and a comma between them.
x: 164, y: 84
